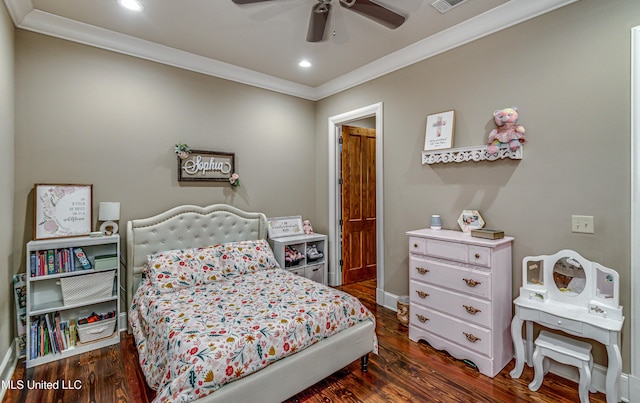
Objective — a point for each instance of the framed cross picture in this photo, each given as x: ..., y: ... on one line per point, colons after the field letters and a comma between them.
x: 62, y: 210
x: 439, y: 132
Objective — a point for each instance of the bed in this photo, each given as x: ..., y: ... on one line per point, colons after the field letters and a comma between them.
x: 190, y: 313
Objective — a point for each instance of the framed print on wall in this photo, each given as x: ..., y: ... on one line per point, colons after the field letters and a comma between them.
x: 62, y: 210
x: 439, y: 132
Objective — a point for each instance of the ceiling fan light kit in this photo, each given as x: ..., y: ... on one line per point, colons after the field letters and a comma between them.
x: 367, y: 8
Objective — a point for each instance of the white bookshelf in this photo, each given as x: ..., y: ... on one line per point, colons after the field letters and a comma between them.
x: 45, y: 297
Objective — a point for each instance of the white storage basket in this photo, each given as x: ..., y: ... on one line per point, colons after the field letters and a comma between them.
x: 87, y: 288
x: 96, y: 330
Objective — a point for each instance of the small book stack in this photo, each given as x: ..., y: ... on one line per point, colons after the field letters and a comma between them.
x: 487, y: 233
x: 104, y: 262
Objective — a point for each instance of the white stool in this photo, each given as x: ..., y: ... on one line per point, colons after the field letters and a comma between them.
x: 566, y: 351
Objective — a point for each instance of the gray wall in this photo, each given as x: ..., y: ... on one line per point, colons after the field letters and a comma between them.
x: 86, y: 115
x: 569, y: 72
x: 7, y: 268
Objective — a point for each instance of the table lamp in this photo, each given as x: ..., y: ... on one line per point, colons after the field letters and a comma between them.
x: 109, y: 212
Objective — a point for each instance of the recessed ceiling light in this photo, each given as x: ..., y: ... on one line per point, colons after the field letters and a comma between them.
x: 132, y: 5
x: 304, y: 63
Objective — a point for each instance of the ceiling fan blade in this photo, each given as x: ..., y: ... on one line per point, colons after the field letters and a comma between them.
x: 318, y: 22
x: 249, y: 1
x: 375, y: 11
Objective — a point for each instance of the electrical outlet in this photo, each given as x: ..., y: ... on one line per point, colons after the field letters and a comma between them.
x: 582, y: 223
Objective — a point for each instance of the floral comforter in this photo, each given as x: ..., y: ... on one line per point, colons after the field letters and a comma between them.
x: 196, y: 338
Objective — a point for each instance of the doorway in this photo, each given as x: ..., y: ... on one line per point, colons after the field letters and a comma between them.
x: 357, y: 181
x: 334, y: 131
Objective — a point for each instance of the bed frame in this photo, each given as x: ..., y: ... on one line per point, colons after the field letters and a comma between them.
x: 192, y: 227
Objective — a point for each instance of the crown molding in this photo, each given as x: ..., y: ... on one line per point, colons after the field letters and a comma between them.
x: 504, y: 16
x: 24, y: 16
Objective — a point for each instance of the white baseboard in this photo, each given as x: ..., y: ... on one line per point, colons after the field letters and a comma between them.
x: 8, y: 366
x: 388, y: 300
x: 634, y: 389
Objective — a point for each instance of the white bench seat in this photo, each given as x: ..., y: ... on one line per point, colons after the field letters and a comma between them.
x: 567, y: 351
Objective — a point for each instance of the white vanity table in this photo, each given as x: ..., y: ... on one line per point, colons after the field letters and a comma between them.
x: 567, y: 292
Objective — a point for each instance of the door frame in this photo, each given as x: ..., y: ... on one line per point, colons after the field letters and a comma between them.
x: 634, y: 378
x: 334, y: 131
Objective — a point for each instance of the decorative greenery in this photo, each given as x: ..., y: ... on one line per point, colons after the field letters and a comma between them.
x: 182, y: 150
x: 234, y: 180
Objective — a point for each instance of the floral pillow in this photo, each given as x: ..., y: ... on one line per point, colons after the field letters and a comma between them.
x: 238, y: 258
x: 175, y: 269
x: 183, y: 268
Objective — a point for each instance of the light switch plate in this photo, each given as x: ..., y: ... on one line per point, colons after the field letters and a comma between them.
x: 582, y: 224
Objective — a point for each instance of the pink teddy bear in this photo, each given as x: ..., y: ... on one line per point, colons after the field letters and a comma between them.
x: 508, y: 131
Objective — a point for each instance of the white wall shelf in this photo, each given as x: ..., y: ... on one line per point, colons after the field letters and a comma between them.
x: 473, y: 153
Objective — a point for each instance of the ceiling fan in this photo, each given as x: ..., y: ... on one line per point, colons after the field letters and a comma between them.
x: 320, y: 15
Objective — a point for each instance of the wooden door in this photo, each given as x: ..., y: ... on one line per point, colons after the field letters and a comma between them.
x: 358, y: 204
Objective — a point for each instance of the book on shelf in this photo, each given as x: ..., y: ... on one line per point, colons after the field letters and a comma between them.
x: 56, y: 261
x: 20, y: 298
x: 104, y: 262
x: 72, y: 333
x: 50, y: 331
x: 487, y: 233
x: 50, y: 334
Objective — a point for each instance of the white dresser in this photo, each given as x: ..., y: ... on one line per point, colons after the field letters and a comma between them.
x: 461, y: 292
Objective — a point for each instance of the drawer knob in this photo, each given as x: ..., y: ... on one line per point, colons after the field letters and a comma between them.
x: 422, y: 318
x: 471, y: 282
x: 422, y: 270
x: 559, y: 323
x: 471, y: 337
x: 415, y: 245
x: 472, y: 310
x: 477, y: 256
x: 422, y: 294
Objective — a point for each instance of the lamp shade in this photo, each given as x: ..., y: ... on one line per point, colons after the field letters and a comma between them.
x: 109, y: 211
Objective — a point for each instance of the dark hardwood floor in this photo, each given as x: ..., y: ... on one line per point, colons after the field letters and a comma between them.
x: 402, y: 371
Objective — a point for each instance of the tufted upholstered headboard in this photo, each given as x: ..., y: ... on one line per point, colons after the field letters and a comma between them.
x: 185, y: 227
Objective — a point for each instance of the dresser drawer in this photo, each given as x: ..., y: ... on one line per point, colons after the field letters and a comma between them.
x: 447, y: 250
x: 560, y: 323
x: 479, y: 255
x: 417, y: 245
x: 462, y: 306
x: 471, y: 281
x: 459, y: 252
x: 457, y: 331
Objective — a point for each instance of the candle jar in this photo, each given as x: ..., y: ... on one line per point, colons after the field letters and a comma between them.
x: 436, y: 222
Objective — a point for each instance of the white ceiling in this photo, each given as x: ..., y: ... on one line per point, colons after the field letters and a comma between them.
x: 261, y: 44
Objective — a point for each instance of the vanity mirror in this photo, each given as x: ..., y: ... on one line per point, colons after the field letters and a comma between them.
x: 568, y: 277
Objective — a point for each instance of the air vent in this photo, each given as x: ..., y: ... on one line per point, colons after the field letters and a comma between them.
x: 445, y: 5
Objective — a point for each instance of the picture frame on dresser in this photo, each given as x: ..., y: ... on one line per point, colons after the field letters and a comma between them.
x: 62, y: 210
x: 470, y: 220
